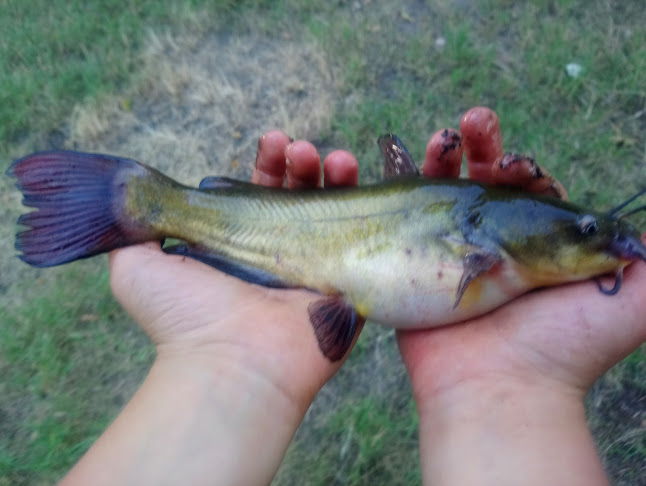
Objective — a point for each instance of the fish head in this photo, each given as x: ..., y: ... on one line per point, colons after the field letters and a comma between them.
x: 555, y: 242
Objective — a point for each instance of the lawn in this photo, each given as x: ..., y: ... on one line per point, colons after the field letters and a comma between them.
x: 189, y: 86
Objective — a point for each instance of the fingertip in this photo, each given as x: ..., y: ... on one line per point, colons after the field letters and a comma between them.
x: 514, y: 170
x: 443, y: 154
x: 303, y: 165
x: 521, y: 171
x: 340, y: 168
x: 480, y: 128
x: 548, y: 187
x: 270, y: 159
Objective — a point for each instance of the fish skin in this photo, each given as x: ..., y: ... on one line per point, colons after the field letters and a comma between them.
x: 395, y: 249
x: 408, y: 252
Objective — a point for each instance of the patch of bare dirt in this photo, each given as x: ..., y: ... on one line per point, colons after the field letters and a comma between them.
x: 202, y: 102
x: 206, y: 101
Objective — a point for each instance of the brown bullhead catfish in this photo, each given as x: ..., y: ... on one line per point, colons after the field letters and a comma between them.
x: 408, y: 252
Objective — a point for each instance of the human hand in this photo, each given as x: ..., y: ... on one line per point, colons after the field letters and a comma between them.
x: 237, y: 365
x: 187, y: 308
x: 506, y: 389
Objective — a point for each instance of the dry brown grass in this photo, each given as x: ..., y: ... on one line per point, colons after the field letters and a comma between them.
x: 203, y: 103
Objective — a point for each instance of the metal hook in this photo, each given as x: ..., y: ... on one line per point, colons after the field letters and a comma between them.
x: 619, y: 277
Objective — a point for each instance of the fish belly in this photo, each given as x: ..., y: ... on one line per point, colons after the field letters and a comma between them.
x: 417, y: 288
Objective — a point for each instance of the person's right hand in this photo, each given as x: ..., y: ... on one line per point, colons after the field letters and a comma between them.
x: 500, y: 397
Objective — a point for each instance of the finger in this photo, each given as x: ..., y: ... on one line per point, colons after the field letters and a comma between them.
x: 270, y: 159
x: 443, y: 154
x: 544, y: 183
x: 482, y: 142
x: 340, y: 168
x: 303, y: 165
x: 148, y: 248
x: 521, y: 171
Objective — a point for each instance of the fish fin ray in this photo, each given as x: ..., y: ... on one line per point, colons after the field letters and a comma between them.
x: 397, y: 160
x: 75, y: 216
x: 230, y: 267
x: 335, y: 325
x: 475, y: 264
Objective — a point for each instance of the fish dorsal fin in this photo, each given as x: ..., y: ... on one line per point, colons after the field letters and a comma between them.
x: 476, y: 262
x: 397, y: 161
x: 335, y: 324
x: 217, y: 182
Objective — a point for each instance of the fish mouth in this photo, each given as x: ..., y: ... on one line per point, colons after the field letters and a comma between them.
x: 628, y: 248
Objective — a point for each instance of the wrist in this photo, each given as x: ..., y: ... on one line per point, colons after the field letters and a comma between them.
x: 510, y: 432
x: 195, y: 418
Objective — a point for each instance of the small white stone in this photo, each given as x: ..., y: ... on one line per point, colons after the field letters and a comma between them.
x: 573, y: 69
x: 440, y: 42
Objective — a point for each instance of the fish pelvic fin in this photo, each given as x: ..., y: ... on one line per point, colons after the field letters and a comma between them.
x: 76, y: 196
x: 335, y: 324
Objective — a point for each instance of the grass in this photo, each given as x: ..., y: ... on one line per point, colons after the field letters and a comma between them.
x: 52, y: 372
x: 69, y: 356
x: 54, y: 54
x: 373, y: 438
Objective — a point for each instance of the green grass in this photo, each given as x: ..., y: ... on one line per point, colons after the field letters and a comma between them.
x: 64, y: 381
x: 54, y: 54
x: 585, y: 130
x: 373, y: 438
x: 55, y: 354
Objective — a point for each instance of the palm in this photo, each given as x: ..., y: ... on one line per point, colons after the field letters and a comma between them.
x: 565, y: 335
x: 184, y: 305
x: 189, y: 309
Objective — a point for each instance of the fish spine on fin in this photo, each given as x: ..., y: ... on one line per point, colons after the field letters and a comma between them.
x: 475, y: 264
x: 397, y: 160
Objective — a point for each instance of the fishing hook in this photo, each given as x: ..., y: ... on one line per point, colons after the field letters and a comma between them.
x: 619, y: 277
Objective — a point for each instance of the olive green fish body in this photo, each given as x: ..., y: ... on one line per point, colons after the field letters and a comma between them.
x: 395, y: 250
x: 408, y: 252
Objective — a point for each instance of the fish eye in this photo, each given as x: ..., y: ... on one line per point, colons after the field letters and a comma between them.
x: 588, y: 225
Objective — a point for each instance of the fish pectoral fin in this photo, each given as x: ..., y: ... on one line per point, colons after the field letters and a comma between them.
x: 335, y: 325
x: 397, y: 161
x: 475, y: 263
x: 230, y: 267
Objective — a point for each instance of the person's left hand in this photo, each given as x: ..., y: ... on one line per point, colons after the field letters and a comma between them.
x: 188, y: 308
x: 235, y: 361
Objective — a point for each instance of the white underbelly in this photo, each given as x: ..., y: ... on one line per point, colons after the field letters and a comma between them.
x: 418, y: 289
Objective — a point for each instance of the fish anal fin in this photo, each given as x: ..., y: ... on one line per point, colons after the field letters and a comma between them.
x: 475, y: 264
x: 397, y: 161
x: 335, y: 325
x: 230, y: 267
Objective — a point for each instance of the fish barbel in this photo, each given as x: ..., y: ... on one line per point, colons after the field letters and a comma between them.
x: 408, y: 252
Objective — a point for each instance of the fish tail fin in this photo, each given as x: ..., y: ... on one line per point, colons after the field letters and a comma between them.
x: 78, y: 212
